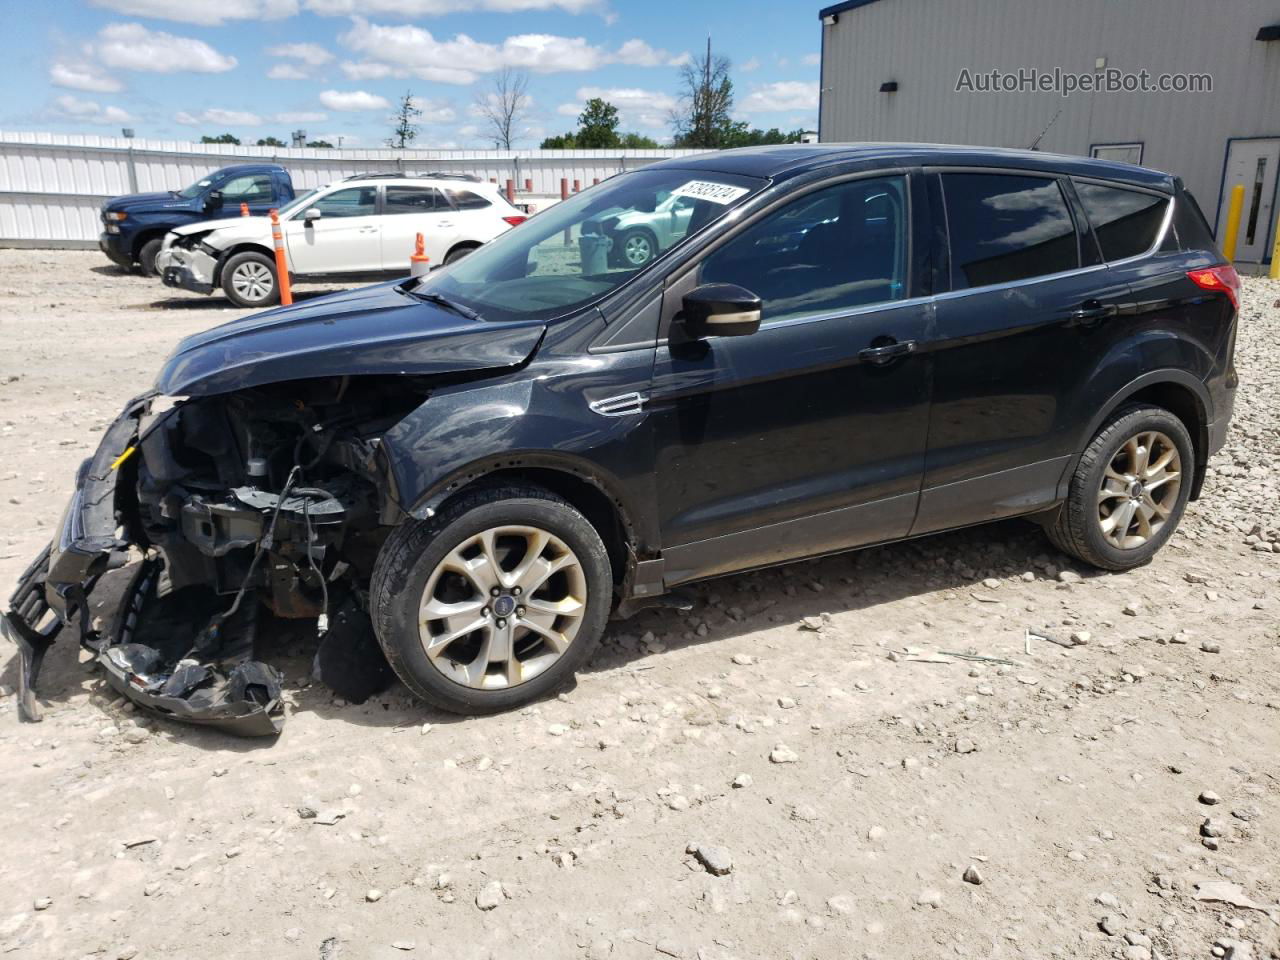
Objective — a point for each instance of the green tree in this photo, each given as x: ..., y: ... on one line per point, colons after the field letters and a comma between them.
x: 636, y: 141
x: 738, y: 134
x: 271, y: 142
x: 404, y: 130
x: 597, y: 125
x: 564, y: 141
x: 320, y: 143
x: 221, y: 138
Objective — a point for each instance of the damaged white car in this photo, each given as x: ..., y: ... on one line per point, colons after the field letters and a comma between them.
x: 361, y: 227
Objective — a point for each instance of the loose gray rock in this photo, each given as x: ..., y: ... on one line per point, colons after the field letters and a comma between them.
x: 1111, y: 925
x: 965, y: 745
x: 742, y: 780
x: 1209, y: 798
x: 929, y: 898
x: 491, y: 895
x: 373, y: 895
x: 781, y: 753
x: 1210, y: 646
x: 717, y: 860
x: 971, y: 875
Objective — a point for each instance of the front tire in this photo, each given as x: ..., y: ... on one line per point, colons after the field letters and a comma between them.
x: 249, y: 280
x: 147, y: 257
x: 1129, y: 490
x: 494, y: 602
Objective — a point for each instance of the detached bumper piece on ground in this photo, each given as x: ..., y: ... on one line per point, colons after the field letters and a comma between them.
x: 182, y: 641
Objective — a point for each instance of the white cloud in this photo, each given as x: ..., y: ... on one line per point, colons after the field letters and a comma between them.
x: 210, y: 13
x: 84, y: 75
x: 435, y: 8
x: 301, y: 117
x: 784, y: 95
x: 131, y: 46
x: 811, y: 59
x: 750, y: 65
x: 636, y: 108
x: 408, y: 50
x: 349, y: 100
x: 287, y: 71
x: 311, y: 54
x: 217, y: 116
x: 434, y: 111
x: 89, y: 111
x: 637, y: 53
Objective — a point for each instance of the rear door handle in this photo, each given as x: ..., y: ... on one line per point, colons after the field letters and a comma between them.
x: 888, y: 351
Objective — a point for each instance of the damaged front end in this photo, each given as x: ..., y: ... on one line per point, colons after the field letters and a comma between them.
x: 233, y: 509
x: 187, y: 262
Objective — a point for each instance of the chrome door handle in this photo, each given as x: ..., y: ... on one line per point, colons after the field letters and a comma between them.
x: 1091, y: 311
x: 887, y: 352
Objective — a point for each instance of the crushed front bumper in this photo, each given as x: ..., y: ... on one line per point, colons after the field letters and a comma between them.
x: 214, y: 683
x: 186, y: 269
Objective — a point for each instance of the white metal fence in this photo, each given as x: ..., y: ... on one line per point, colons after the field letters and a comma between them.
x: 51, y: 185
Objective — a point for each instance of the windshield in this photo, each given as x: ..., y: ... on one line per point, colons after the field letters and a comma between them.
x: 296, y: 203
x: 197, y: 188
x: 589, y: 245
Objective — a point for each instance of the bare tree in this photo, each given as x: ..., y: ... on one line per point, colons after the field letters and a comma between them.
x: 504, y: 106
x: 706, y: 97
x: 404, y: 131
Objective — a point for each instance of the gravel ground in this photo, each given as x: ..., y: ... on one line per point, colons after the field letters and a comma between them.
x: 790, y: 770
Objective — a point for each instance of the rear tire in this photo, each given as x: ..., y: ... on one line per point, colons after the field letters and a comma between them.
x: 1129, y: 490
x: 453, y: 256
x: 636, y: 247
x: 459, y: 645
x: 249, y: 280
x: 147, y: 257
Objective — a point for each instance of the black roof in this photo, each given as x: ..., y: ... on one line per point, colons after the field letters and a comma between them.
x: 788, y: 160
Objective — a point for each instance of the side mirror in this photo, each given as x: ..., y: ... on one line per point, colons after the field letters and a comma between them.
x: 311, y: 213
x: 213, y: 199
x: 720, y: 310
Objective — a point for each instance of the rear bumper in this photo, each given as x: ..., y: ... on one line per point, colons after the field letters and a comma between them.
x: 116, y: 249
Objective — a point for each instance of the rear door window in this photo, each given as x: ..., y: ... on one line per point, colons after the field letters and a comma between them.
x: 414, y: 200
x: 253, y: 188
x: 1007, y: 227
x: 1126, y: 222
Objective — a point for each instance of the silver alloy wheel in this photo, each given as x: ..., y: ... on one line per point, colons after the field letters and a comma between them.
x: 502, y: 607
x: 638, y: 249
x: 252, y: 280
x: 1139, y: 489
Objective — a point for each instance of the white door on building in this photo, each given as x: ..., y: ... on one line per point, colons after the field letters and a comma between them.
x: 1252, y: 164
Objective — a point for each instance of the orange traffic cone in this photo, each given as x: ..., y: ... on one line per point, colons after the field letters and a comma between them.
x: 282, y: 264
x: 419, y: 262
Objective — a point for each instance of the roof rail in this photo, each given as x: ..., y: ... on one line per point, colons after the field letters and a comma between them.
x: 382, y: 175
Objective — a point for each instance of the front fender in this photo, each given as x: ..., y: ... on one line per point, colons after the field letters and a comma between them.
x: 530, y: 420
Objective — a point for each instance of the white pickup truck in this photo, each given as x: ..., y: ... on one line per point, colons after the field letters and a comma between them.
x: 364, y: 226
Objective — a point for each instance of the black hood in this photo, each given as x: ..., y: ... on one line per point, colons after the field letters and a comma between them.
x: 373, y: 330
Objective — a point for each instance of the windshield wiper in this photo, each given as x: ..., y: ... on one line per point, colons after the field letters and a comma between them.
x: 448, y: 304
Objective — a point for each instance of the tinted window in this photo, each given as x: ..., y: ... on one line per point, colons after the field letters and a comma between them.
x: 1125, y: 222
x: 1006, y: 228
x: 1192, y: 228
x: 466, y: 200
x: 249, y: 189
x: 832, y: 250
x: 414, y: 200
x: 351, y: 202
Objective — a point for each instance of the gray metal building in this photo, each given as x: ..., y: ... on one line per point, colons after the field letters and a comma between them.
x: 920, y: 70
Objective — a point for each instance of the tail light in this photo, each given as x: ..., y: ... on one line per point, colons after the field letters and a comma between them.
x: 515, y: 219
x: 1221, y: 279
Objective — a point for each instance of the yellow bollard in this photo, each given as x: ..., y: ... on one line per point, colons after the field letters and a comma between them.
x: 1233, y: 222
x: 1275, y: 254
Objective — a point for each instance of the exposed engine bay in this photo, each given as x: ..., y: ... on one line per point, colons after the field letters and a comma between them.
x: 269, y: 502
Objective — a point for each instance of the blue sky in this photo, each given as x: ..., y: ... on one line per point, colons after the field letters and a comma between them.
x: 182, y: 68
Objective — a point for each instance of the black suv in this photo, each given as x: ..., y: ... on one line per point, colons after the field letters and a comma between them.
x: 840, y: 346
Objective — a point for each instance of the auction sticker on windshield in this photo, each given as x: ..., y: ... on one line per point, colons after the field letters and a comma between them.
x: 706, y: 190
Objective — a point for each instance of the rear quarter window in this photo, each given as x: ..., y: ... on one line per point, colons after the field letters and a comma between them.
x: 1006, y: 227
x: 466, y: 200
x: 1126, y: 222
